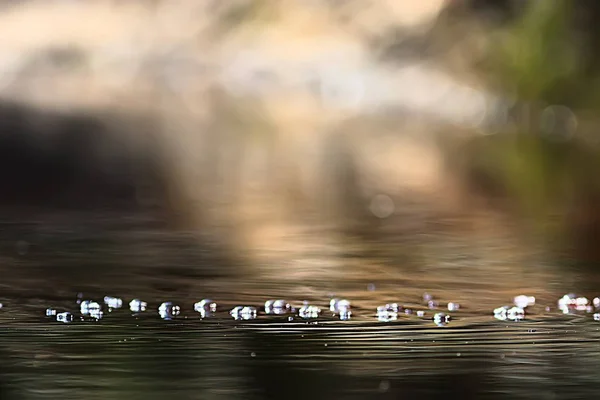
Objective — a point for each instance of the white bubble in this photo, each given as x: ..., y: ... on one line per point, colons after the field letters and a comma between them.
x: 501, y: 313
x: 515, y: 313
x: 113, y: 302
x: 137, y: 305
x: 524, y: 301
x: 309, y: 312
x: 382, y: 206
x: 64, y: 317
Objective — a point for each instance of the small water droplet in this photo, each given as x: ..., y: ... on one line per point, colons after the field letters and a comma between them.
x: 168, y: 310
x: 92, y: 309
x: 113, y: 302
x: 277, y: 307
x: 309, y: 312
x: 524, y: 301
x: 441, y: 319
x: 137, y: 306
x: 337, y: 305
x: 65, y: 317
x: 243, y: 312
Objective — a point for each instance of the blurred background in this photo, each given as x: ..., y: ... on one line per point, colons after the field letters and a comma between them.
x: 297, y: 142
x: 181, y: 149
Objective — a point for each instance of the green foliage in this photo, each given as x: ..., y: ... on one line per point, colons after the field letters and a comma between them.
x: 539, y: 58
x: 538, y: 61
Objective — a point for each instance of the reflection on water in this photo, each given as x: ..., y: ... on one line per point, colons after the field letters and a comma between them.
x: 193, y: 326
x: 380, y: 352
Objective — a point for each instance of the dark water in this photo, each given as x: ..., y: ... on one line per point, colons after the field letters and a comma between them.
x: 548, y: 355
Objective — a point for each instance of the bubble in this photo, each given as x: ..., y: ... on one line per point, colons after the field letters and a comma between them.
x: 65, y: 317
x: 453, y: 306
x: 137, y: 305
x: 571, y: 303
x: 387, y: 316
x: 382, y: 206
x: 501, y: 313
x: 441, y: 319
x: 243, y: 313
x: 345, y: 315
x: 91, y: 309
x: 253, y: 354
x: 515, y: 313
x: 205, y: 307
x: 420, y: 313
x: 113, y: 302
x: 524, y: 301
x: 371, y: 287
x: 277, y: 307
x: 309, y: 312
x: 393, y: 307
x: 168, y: 310
x: 337, y: 306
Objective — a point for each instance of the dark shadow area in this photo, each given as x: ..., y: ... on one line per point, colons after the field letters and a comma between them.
x: 67, y: 161
x: 85, y: 200
x: 6, y: 391
x: 313, y: 365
